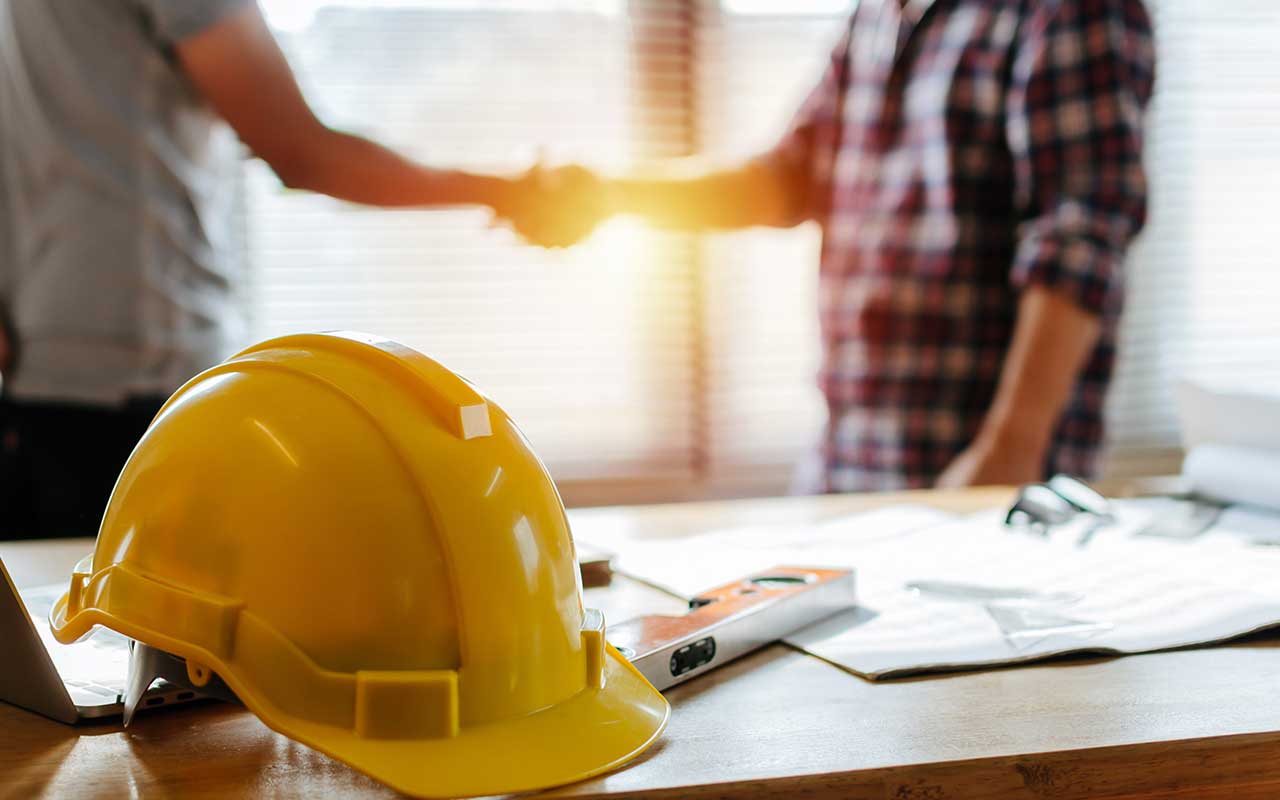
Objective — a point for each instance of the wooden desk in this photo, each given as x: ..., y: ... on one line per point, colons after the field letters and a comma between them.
x: 1182, y: 725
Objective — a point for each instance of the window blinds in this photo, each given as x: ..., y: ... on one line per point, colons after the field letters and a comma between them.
x: 682, y: 362
x: 587, y: 348
x: 1203, y: 279
x: 687, y: 364
x: 758, y: 62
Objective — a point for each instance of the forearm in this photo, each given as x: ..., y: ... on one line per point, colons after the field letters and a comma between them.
x: 674, y: 198
x: 238, y: 68
x: 1051, y: 343
x: 357, y: 170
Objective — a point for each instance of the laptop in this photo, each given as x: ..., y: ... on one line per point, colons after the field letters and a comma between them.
x: 65, y: 682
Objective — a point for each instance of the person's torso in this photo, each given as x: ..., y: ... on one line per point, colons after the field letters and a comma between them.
x: 119, y: 193
x: 920, y: 232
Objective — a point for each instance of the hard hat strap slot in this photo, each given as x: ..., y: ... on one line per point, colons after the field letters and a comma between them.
x: 377, y: 704
x: 406, y: 705
x: 205, y: 620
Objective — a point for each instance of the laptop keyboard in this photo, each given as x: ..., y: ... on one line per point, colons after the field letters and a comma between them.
x: 97, y: 689
x: 98, y: 664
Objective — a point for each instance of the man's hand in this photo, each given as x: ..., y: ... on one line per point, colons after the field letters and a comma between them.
x: 554, y: 207
x: 1051, y: 342
x: 989, y: 462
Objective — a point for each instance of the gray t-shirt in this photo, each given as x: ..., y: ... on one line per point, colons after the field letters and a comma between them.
x: 117, y: 195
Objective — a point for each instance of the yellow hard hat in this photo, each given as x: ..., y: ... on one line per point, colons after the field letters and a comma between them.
x: 367, y: 551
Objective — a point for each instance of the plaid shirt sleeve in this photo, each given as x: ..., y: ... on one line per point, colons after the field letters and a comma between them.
x: 1081, y: 77
x: 805, y: 156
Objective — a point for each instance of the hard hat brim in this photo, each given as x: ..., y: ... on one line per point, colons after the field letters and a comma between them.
x: 591, y: 733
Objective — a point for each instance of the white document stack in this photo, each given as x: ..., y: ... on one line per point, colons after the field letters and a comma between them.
x: 940, y: 592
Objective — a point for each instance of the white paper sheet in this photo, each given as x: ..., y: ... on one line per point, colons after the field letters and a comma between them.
x: 690, y: 565
x: 1252, y: 526
x: 1121, y: 593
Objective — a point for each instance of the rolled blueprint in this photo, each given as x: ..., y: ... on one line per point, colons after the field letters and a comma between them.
x: 1248, y: 418
x: 1234, y: 474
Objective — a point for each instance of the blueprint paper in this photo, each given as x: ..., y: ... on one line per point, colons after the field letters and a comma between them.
x: 1121, y: 594
x: 689, y: 565
x: 1133, y: 596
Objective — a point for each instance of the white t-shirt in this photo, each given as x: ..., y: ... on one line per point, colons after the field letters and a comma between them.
x: 117, y: 193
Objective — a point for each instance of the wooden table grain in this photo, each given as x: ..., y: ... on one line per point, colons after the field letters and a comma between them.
x: 1201, y: 723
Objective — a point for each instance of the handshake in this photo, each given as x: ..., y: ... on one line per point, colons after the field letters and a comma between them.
x: 554, y: 206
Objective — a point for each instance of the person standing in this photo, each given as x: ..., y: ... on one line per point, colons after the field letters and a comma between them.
x: 119, y: 122
x: 976, y: 169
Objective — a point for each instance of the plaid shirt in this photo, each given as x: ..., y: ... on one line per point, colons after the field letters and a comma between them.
x: 955, y: 153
